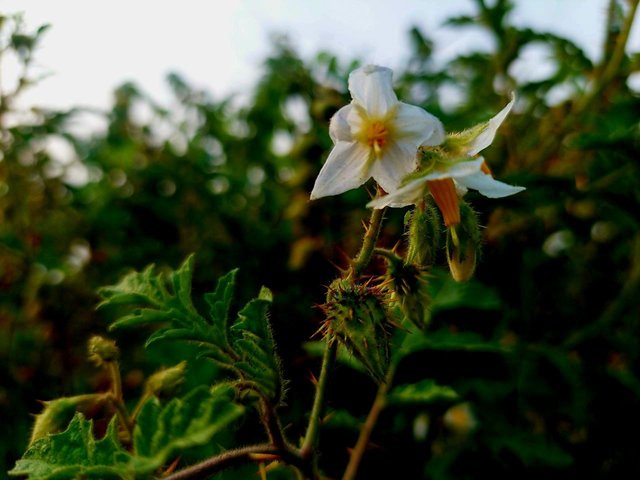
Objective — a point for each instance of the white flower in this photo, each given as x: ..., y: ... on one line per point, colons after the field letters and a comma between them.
x: 446, y: 180
x: 375, y: 136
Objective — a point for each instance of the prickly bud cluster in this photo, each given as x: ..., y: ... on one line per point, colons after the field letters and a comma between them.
x: 102, y: 350
x: 408, y: 288
x: 357, y: 316
x: 424, y: 232
x: 463, y: 245
x: 166, y: 380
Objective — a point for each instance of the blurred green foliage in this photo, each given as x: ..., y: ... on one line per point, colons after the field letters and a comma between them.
x: 542, y: 347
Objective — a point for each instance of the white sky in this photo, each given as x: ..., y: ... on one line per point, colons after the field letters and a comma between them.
x: 219, y: 44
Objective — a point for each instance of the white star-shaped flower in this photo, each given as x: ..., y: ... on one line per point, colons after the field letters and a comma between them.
x: 445, y: 179
x: 375, y: 136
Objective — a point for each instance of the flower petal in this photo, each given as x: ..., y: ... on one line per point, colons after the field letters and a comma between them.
x: 488, y: 186
x: 457, y: 170
x: 396, y: 162
x: 411, y: 193
x: 488, y: 133
x: 339, y: 128
x: 347, y: 167
x: 371, y: 86
x: 415, y: 125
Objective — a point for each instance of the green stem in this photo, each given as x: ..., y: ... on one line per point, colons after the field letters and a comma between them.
x: 367, y: 428
x: 368, y: 243
x: 117, y: 399
x: 225, y: 460
x: 272, y: 424
x: 318, y: 403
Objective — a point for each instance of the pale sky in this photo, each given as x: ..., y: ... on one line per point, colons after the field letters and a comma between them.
x: 219, y: 44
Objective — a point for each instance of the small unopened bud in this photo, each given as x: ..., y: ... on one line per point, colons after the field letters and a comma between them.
x: 357, y: 316
x: 166, y: 380
x: 102, y: 350
x: 58, y: 413
x: 424, y: 232
x: 463, y: 245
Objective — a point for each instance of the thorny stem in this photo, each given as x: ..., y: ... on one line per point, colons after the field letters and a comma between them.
x: 368, y: 243
x: 359, y: 264
x: 367, y: 428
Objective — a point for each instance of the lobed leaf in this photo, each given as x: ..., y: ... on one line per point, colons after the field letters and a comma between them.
x: 162, y: 432
x: 244, y: 346
x: 75, y: 453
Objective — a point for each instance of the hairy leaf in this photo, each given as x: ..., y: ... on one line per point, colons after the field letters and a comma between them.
x: 75, y: 453
x: 162, y: 432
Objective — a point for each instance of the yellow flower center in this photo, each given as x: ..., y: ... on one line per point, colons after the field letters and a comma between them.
x: 376, y: 134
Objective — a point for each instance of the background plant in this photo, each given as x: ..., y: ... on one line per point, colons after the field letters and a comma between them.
x: 540, y: 348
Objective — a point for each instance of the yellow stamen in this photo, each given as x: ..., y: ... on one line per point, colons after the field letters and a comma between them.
x: 376, y: 135
x: 445, y: 196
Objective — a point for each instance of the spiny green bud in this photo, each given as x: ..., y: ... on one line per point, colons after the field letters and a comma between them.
x: 58, y: 413
x: 357, y: 316
x: 423, y: 230
x: 166, y: 380
x: 408, y: 287
x: 102, y: 350
x: 463, y: 245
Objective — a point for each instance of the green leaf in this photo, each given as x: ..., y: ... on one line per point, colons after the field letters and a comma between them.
x: 154, y: 298
x: 422, y: 392
x: 75, y: 453
x: 162, y: 432
x: 254, y: 342
x: 244, y: 346
x: 446, y: 340
x: 472, y: 294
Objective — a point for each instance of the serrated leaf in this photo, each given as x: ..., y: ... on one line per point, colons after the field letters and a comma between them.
x: 162, y: 432
x: 75, y: 453
x: 245, y: 346
x: 155, y: 298
x: 253, y: 340
x: 220, y: 303
x: 420, y: 393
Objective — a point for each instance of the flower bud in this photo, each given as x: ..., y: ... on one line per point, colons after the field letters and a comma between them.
x: 463, y: 245
x: 423, y: 229
x: 357, y: 316
x: 102, y: 350
x: 58, y: 413
x: 166, y: 380
x: 407, y: 284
